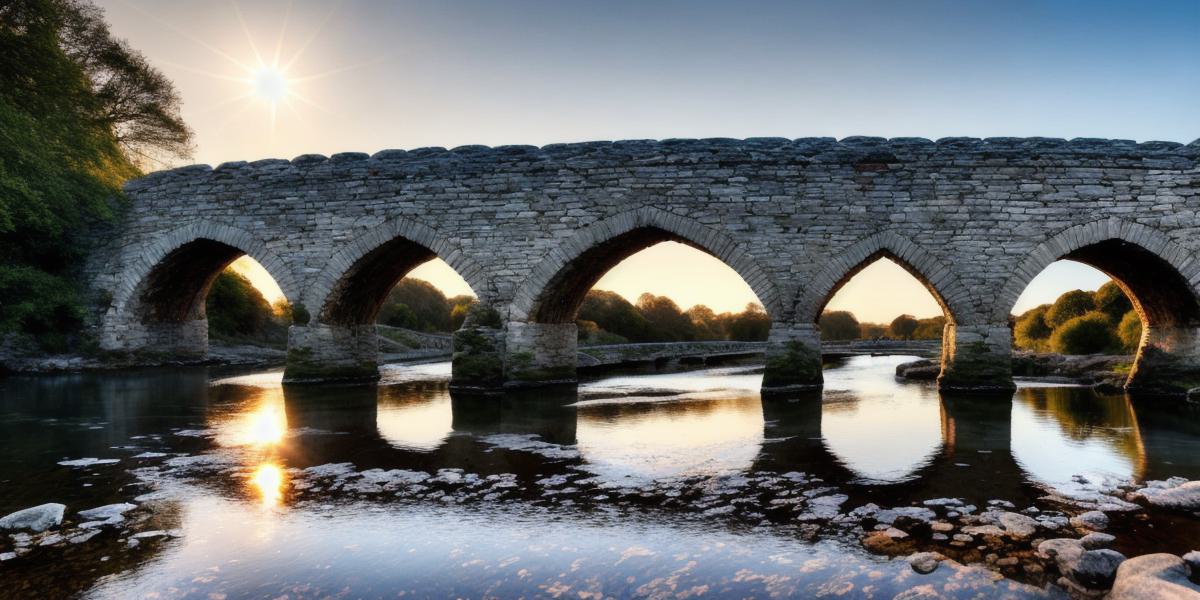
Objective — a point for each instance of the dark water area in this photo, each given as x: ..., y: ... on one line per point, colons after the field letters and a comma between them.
x: 658, y: 485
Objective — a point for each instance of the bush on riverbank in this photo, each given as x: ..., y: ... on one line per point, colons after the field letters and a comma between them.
x: 1081, y: 322
x: 606, y: 314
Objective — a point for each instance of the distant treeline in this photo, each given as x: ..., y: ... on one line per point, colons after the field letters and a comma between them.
x: 838, y: 325
x: 608, y: 318
x: 238, y: 312
x: 1080, y: 322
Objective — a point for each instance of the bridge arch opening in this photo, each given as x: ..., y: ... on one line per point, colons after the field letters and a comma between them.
x: 199, y: 289
x: 884, y: 304
x: 645, y: 285
x: 368, y: 279
x: 1150, y: 310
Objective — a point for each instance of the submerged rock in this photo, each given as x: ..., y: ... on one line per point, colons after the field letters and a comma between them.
x: 37, y: 518
x: 1064, y: 551
x: 88, y: 462
x: 109, y: 514
x: 1154, y: 577
x: 1018, y: 526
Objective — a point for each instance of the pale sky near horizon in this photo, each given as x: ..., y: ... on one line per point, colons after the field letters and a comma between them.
x: 365, y: 75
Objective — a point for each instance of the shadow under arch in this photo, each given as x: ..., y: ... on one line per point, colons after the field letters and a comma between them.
x: 160, y: 303
x: 541, y: 333
x: 1158, y: 276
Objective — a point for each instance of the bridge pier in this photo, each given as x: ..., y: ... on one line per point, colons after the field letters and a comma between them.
x: 185, y: 339
x: 1168, y: 362
x: 976, y: 358
x: 540, y: 353
x: 793, y: 357
x: 321, y: 352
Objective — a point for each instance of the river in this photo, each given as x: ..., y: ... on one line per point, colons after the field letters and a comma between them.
x: 676, y: 484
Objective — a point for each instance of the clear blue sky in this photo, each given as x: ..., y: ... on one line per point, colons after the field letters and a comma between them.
x: 407, y: 74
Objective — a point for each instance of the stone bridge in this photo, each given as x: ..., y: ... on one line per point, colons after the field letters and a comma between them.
x: 532, y: 229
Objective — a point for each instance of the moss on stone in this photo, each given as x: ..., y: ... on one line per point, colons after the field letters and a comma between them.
x: 301, y: 368
x: 796, y: 365
x: 976, y: 368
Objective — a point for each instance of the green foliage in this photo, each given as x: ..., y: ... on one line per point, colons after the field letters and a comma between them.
x: 74, y: 103
x: 665, y: 319
x: 839, y: 325
x: 1110, y: 300
x: 1031, y: 331
x: 614, y: 314
x: 237, y: 310
x: 1130, y: 331
x: 903, y: 327
x: 1072, y: 304
x: 1090, y: 333
x: 418, y: 305
x: 460, y: 307
x: 932, y: 328
x: 750, y: 325
x: 38, y: 304
x: 1043, y: 329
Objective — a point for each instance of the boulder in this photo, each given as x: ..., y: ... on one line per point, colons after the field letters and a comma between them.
x: 1092, y: 519
x: 1064, y: 551
x: 925, y: 562
x: 1096, y: 540
x: 1171, y: 494
x: 1018, y: 526
x: 1095, y: 569
x: 1193, y: 561
x: 1154, y: 577
x: 37, y: 518
x: 109, y: 514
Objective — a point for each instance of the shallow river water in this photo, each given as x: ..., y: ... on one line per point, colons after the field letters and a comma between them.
x: 661, y: 485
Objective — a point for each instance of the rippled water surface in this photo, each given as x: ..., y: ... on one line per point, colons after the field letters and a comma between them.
x: 650, y: 485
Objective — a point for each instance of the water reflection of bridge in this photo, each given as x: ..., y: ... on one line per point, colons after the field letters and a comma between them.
x: 983, y: 447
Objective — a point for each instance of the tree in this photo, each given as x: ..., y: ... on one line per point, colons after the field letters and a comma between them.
x: 667, y: 322
x: 930, y: 329
x: 1031, y: 331
x: 614, y: 314
x: 872, y: 331
x: 903, y: 327
x: 706, y: 324
x: 1090, y: 333
x: 416, y: 304
x: 1130, y: 331
x: 751, y: 325
x: 1111, y: 300
x: 1072, y: 304
x: 460, y: 306
x: 839, y: 325
x: 138, y: 104
x: 236, y: 309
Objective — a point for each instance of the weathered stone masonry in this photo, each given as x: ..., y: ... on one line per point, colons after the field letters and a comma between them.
x: 531, y: 229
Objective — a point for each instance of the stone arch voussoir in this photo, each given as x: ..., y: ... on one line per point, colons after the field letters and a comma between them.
x: 147, y: 257
x: 711, y: 240
x: 1085, y: 234
x: 364, y: 241
x: 932, y: 272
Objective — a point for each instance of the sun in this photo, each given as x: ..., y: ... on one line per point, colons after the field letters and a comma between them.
x: 270, y: 84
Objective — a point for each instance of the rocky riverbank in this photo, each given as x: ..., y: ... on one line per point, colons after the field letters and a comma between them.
x: 1103, y: 371
x: 219, y: 354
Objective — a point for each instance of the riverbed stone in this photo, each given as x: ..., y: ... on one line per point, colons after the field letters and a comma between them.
x: 1096, y: 540
x: 37, y: 518
x: 1154, y: 577
x: 1018, y: 526
x: 1095, y: 569
x: 1092, y: 519
x: 1172, y: 494
x: 925, y: 562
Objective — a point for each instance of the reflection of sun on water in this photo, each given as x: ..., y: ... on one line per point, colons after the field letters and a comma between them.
x: 268, y: 482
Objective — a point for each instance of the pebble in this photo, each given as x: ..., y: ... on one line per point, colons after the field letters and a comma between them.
x: 924, y: 562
